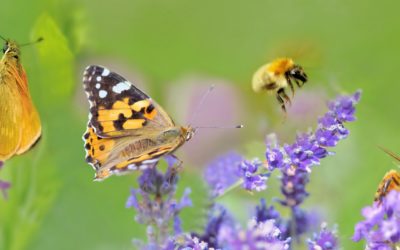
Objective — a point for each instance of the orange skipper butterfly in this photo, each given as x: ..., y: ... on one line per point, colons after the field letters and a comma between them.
x: 19, y: 120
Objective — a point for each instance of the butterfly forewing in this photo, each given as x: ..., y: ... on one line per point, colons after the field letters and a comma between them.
x: 117, y: 107
x: 127, y: 130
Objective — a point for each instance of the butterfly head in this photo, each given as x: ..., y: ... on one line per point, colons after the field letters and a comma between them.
x: 188, y: 132
x: 11, y: 49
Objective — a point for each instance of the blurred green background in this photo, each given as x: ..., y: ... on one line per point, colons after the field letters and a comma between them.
x: 175, y: 49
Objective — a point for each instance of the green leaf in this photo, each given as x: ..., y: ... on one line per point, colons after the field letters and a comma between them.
x: 56, y: 61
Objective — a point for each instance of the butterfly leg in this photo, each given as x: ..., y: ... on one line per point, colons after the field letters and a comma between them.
x: 176, y: 160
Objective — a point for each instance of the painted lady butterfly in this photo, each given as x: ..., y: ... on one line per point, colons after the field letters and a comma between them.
x: 127, y: 130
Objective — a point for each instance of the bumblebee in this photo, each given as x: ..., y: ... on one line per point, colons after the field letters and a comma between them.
x: 391, y: 180
x: 276, y: 76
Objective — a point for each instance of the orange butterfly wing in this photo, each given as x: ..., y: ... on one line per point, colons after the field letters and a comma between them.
x: 10, y: 117
x: 30, y: 121
x: 20, y: 124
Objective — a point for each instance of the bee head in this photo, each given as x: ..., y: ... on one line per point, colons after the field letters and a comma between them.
x: 298, y: 73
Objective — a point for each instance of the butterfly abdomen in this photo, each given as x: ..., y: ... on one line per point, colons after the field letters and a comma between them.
x: 137, y: 148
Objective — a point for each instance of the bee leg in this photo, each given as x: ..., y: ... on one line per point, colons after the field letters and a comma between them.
x: 291, y: 85
x: 299, y: 84
x: 282, y: 93
x: 281, y: 102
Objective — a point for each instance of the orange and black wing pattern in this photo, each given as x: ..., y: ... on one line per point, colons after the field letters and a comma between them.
x: 123, y: 124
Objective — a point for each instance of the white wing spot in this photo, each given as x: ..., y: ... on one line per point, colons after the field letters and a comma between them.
x: 106, y: 72
x: 121, y: 86
x: 97, y: 85
x: 150, y: 161
x: 102, y: 93
x: 98, y: 78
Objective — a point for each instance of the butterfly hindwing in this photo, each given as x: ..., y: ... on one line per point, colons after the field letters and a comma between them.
x: 117, y: 107
x: 121, y: 155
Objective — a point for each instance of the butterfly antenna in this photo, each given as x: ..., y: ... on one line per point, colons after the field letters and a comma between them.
x: 390, y: 153
x: 203, y: 98
x: 223, y: 127
x: 37, y: 41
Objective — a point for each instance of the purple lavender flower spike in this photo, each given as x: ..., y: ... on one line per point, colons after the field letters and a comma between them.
x: 325, y: 240
x: 223, y: 172
x: 293, y: 186
x: 156, y: 207
x: 381, y: 227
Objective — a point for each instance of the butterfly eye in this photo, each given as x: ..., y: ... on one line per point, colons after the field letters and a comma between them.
x: 5, y: 48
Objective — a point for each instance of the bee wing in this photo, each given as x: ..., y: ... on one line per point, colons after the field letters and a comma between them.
x: 10, y: 117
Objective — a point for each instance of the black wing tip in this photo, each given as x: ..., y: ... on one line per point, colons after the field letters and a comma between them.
x: 90, y: 69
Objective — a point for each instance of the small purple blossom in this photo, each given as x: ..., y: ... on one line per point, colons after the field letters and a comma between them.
x: 228, y: 169
x: 222, y: 172
x: 302, y: 221
x: 381, y: 227
x: 217, y: 217
x: 262, y: 235
x: 189, y: 242
x: 4, y: 185
x: 252, y: 179
x: 264, y: 213
x: 324, y: 240
x: 343, y: 107
x: 305, y: 152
